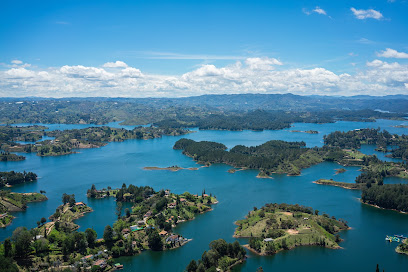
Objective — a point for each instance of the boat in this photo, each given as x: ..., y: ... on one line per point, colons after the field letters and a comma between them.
x: 392, y: 239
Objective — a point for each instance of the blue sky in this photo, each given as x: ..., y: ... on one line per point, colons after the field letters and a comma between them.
x: 181, y: 48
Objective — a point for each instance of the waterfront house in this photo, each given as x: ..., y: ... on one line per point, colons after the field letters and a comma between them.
x: 101, y: 263
x: 163, y: 233
x: 80, y: 204
x: 268, y: 240
x: 172, y: 238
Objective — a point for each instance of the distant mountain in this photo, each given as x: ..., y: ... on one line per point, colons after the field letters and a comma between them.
x: 247, y: 102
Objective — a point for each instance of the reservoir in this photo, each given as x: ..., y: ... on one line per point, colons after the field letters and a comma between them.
x: 363, y: 247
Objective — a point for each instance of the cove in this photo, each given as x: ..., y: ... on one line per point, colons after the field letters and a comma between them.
x: 118, y: 163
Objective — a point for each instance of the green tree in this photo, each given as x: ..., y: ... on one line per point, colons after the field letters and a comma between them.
x: 108, y: 236
x: 119, y: 209
x: 6, y: 264
x: 154, y: 241
x: 91, y: 236
x: 7, y: 248
x: 192, y: 266
x: 22, y: 239
x: 43, y: 220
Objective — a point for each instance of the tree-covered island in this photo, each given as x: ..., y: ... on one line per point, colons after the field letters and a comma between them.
x: 284, y: 157
x: 277, y: 227
x: 403, y: 247
x: 65, y: 141
x: 15, y: 202
x: 12, y: 178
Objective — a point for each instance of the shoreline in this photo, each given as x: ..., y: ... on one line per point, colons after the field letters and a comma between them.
x: 378, y: 207
x: 281, y: 249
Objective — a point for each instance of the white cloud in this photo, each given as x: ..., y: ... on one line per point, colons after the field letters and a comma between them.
x: 391, y: 53
x: 19, y: 73
x: 365, y: 41
x: 17, y: 62
x: 317, y: 10
x: 367, y: 13
x: 320, y: 11
x: 254, y: 75
x: 116, y: 64
x: 262, y: 63
x: 131, y: 72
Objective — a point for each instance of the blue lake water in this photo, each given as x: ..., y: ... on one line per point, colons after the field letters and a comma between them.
x: 118, y: 163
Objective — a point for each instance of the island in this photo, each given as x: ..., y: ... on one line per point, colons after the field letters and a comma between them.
x: 340, y: 171
x: 12, y: 178
x: 173, y: 168
x: 15, y: 202
x: 307, y: 131
x: 345, y: 185
x: 7, y: 156
x: 66, y: 141
x: 222, y: 256
x: 271, y: 157
x: 284, y: 157
x: 403, y: 247
x: 276, y: 227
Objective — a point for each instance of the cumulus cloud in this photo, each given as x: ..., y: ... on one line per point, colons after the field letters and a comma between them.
x: 367, y: 13
x: 116, y: 64
x: 262, y: 63
x: 391, y: 53
x: 254, y: 75
x: 17, y: 62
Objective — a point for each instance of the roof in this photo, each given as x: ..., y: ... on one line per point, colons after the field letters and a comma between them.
x: 163, y: 232
x: 172, y: 238
x: 268, y: 240
x: 88, y: 257
x: 79, y: 203
x: 100, y: 262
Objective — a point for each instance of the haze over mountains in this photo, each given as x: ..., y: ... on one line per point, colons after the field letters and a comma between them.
x: 240, y: 102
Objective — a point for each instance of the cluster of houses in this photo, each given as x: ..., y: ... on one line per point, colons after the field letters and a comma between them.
x: 98, y: 259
